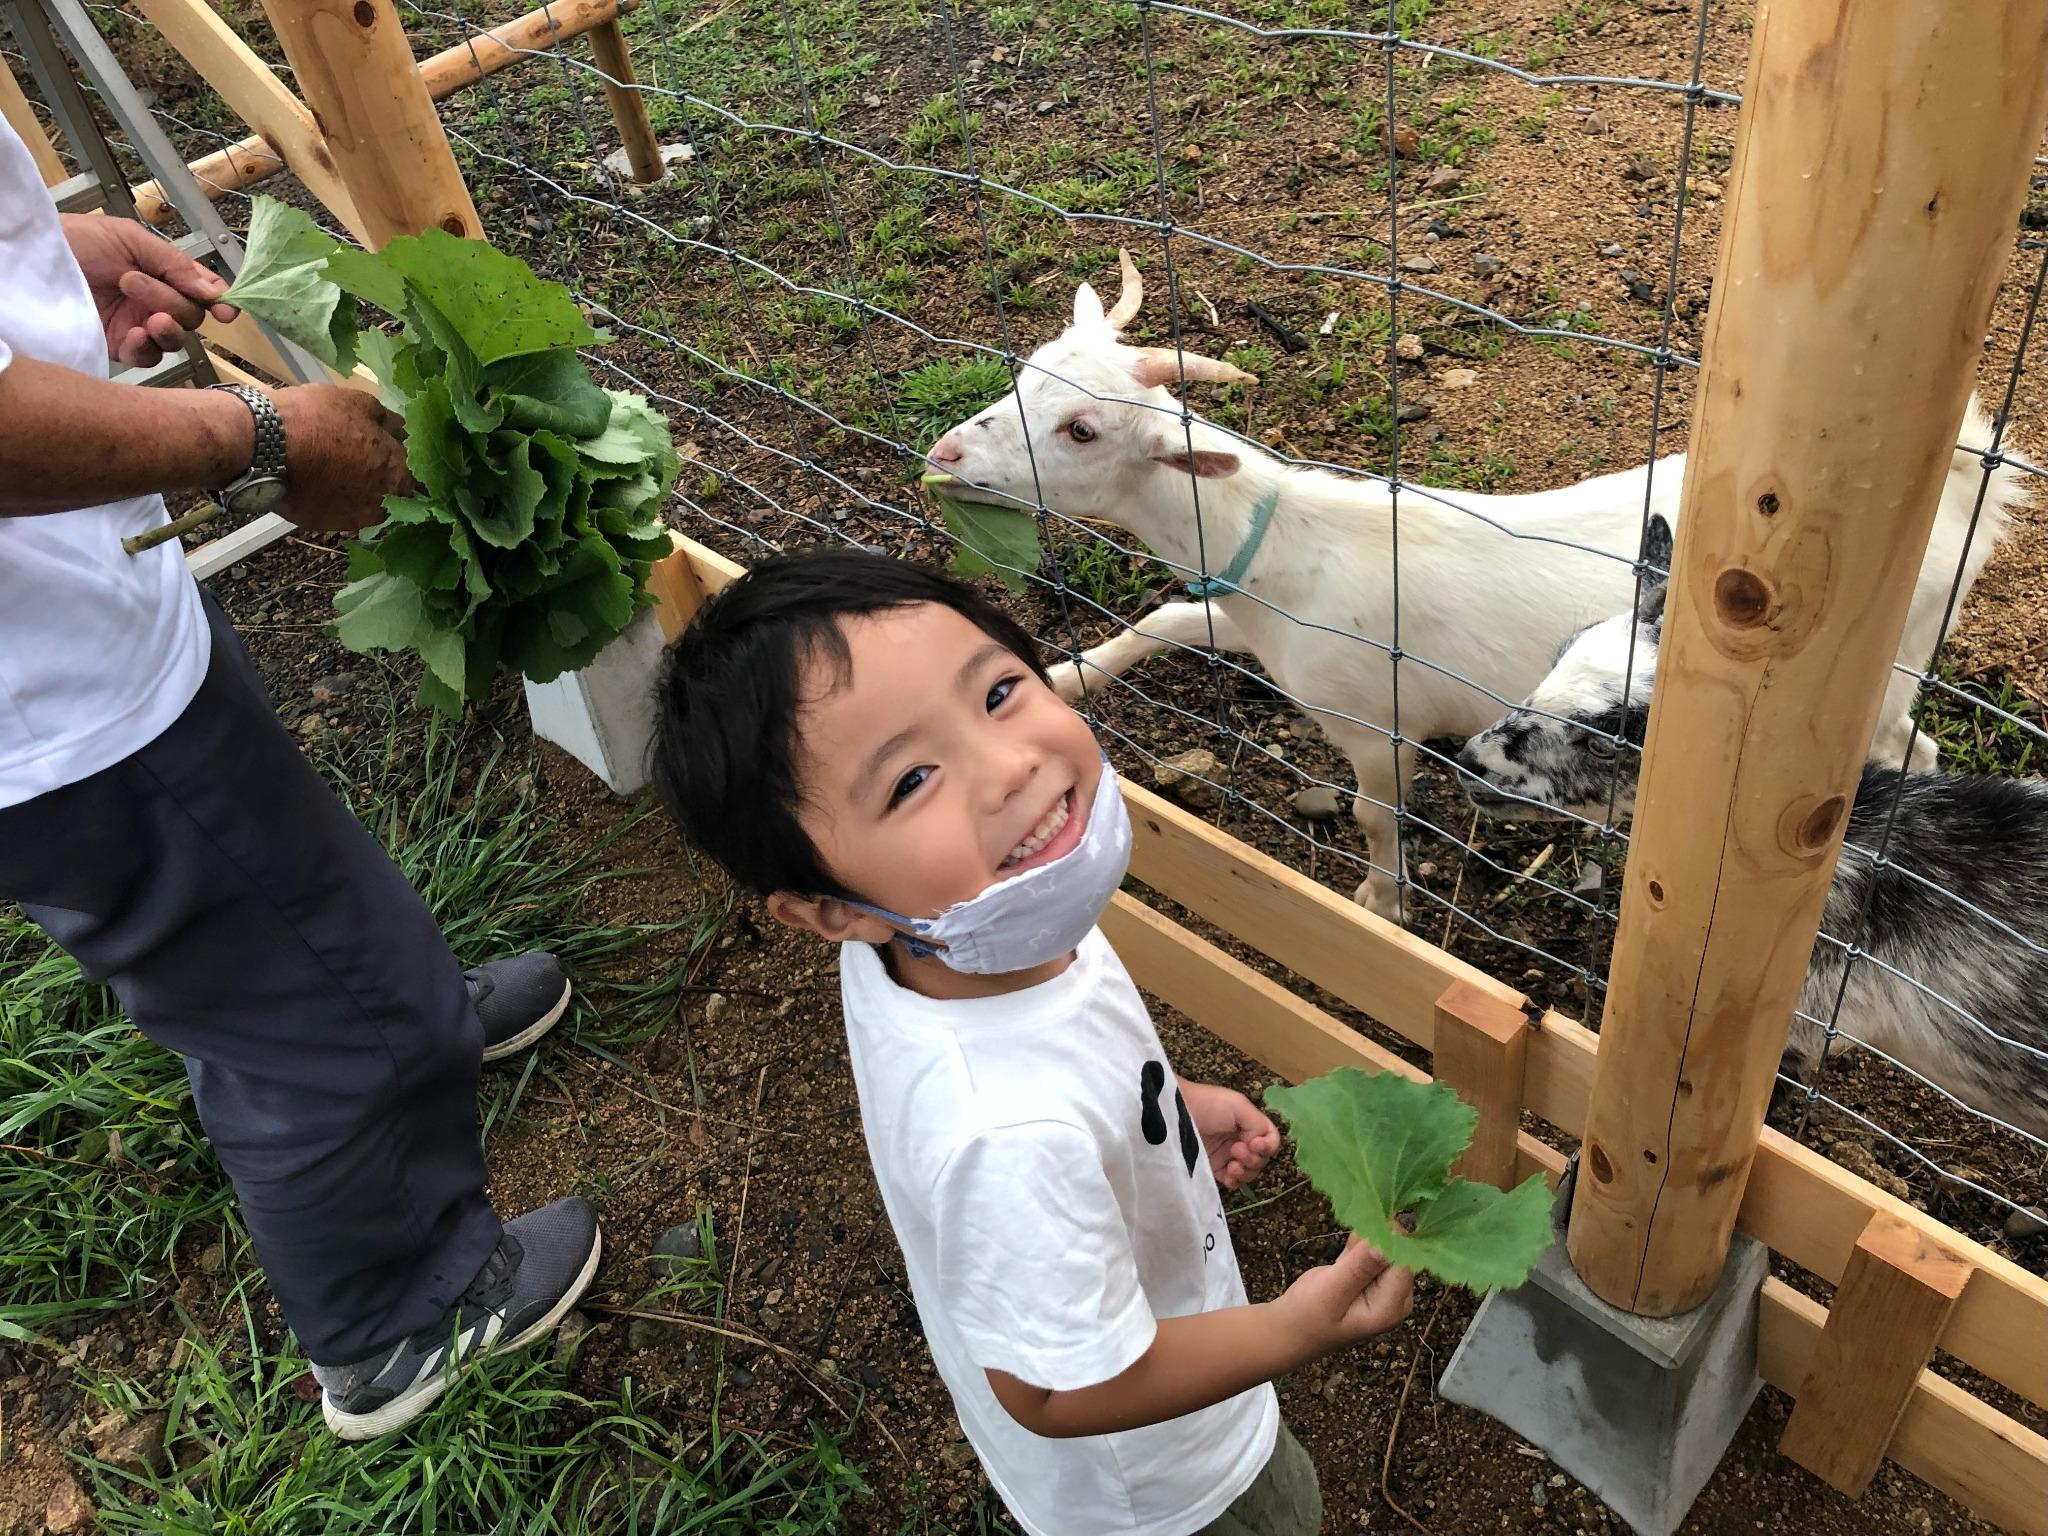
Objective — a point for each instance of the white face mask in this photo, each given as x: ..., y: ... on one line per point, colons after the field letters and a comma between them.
x: 1037, y: 916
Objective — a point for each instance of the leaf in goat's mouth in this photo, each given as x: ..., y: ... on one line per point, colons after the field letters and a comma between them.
x: 989, y: 540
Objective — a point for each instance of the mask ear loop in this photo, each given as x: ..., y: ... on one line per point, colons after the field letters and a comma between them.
x: 920, y: 949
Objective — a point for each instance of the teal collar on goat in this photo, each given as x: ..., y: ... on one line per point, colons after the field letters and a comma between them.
x: 1227, y: 580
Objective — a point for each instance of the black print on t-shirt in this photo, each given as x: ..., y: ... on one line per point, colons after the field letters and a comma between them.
x: 1152, y: 1120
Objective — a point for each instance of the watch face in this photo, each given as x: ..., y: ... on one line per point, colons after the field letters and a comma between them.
x: 260, y: 495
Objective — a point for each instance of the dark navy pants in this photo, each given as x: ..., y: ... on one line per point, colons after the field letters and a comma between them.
x: 247, y: 921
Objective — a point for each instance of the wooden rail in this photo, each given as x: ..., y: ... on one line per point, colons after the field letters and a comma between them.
x: 1798, y: 1204
x: 257, y: 158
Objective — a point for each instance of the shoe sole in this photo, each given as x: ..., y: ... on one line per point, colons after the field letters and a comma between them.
x: 533, y: 1031
x: 406, y: 1407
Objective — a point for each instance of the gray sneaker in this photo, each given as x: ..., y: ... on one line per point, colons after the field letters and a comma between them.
x: 542, y: 1264
x: 519, y: 998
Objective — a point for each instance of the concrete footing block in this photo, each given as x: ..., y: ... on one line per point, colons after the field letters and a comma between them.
x: 1639, y: 1409
x: 603, y: 716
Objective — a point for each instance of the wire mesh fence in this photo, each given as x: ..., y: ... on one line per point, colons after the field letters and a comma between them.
x: 1463, y: 252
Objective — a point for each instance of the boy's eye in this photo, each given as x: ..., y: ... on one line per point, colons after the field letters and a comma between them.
x: 908, y: 785
x: 1001, y: 692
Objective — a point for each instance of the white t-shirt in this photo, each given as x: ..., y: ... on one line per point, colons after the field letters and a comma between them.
x: 100, y: 650
x: 1052, y: 1202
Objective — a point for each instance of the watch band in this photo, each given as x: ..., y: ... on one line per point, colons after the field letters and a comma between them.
x: 267, y: 461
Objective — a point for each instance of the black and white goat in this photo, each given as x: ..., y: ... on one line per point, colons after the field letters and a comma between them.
x: 1953, y: 923
x: 1490, y: 586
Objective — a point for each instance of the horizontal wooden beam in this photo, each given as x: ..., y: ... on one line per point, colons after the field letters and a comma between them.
x: 253, y: 91
x: 256, y: 158
x: 1798, y: 1203
x: 1985, y: 1460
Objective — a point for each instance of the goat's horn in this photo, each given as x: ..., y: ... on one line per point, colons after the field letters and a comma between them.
x: 1133, y: 294
x: 1162, y: 365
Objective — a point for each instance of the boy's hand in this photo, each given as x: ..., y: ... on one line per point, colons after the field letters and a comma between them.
x: 1354, y: 1297
x: 1240, y: 1139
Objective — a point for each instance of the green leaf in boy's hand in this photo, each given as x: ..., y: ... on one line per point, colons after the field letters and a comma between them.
x: 1378, y: 1144
x: 284, y: 283
x: 495, y: 302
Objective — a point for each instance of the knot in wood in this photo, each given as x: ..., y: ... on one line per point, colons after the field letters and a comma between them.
x: 1820, y: 824
x: 453, y: 224
x: 1741, y: 598
x: 1768, y: 503
x: 1596, y: 1159
x: 365, y: 13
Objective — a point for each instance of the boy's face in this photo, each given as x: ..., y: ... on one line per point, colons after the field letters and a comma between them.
x: 936, y: 766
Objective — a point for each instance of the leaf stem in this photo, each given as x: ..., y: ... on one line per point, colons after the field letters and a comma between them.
x: 177, y: 525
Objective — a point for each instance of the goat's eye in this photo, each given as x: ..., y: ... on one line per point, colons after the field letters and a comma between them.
x: 1601, y: 747
x: 1080, y: 431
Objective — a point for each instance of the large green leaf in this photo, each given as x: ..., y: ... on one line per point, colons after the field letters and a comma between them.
x: 284, y: 283
x: 992, y: 540
x: 381, y: 353
x: 368, y: 275
x: 378, y: 613
x: 436, y: 450
x: 549, y: 390
x: 1379, y: 1145
x: 495, y: 302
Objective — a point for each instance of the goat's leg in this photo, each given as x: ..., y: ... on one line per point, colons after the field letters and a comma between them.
x: 1173, y: 624
x: 1895, y: 729
x: 1382, y: 783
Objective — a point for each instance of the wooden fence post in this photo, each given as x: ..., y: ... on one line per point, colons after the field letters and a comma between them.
x: 1482, y: 1055
x: 356, y: 71
x: 629, y: 106
x: 21, y: 117
x: 1883, y: 152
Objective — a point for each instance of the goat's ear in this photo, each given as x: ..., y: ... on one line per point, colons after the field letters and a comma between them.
x: 1651, y: 610
x: 1209, y: 463
x: 1657, y: 542
x: 1151, y: 366
x: 1087, y: 306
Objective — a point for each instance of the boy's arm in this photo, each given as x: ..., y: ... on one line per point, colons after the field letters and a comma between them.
x: 1203, y: 1359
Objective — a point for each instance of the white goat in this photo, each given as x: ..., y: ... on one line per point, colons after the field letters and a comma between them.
x: 1490, y: 586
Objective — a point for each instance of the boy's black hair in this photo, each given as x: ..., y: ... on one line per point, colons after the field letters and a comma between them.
x: 727, y: 704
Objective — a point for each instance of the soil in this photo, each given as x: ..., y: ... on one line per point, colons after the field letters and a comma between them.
x: 743, y: 1104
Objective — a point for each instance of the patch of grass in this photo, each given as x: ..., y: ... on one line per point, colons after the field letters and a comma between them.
x: 1974, y: 740
x: 510, y: 1449
x: 943, y: 394
x: 1106, y: 576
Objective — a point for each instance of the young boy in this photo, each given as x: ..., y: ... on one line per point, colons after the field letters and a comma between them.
x: 875, y: 749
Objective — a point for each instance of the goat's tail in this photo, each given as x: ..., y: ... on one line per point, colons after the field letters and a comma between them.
x: 2012, y: 481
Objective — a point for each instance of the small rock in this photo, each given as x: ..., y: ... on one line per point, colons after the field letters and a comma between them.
x: 1183, y: 777
x: 1857, y: 1157
x: 1443, y: 178
x: 1539, y: 1497
x: 1593, y: 122
x: 829, y: 1368
x: 68, y: 1509
x: 1301, y: 728
x: 1415, y: 410
x: 714, y: 1007
x: 1319, y: 802
x: 646, y: 1333
x: 1334, y: 1384
x: 871, y: 101
x: 213, y: 1258
x: 569, y: 1337
x: 870, y: 1377
x: 1613, y: 248
x: 674, y: 1249
x: 2032, y: 1221
x: 1487, y: 266
x: 1457, y: 378
x: 137, y: 1447
x: 1191, y: 153
x: 312, y: 725
x: 1409, y: 348
x: 770, y: 1321
x: 1444, y: 231
x: 999, y: 54
x: 1421, y: 264
x: 1638, y: 287
x: 1324, y: 150
x: 1710, y: 190
x: 1591, y: 879
x: 740, y: 1377
x: 1044, y: 107
x: 958, y: 1455
x: 326, y: 690
x: 1406, y: 140
x: 1638, y: 169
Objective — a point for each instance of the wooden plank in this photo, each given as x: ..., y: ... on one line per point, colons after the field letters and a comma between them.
x: 353, y: 62
x: 252, y: 160
x: 1989, y: 1463
x: 678, y: 594
x: 1890, y: 1308
x: 216, y: 555
x: 1798, y: 1203
x: 1482, y: 1053
x: 21, y: 117
x: 257, y: 96
x: 628, y: 106
x: 245, y: 339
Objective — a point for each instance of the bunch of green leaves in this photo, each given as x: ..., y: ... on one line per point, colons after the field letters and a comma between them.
x: 988, y: 540
x: 540, y: 493
x: 1380, y: 1146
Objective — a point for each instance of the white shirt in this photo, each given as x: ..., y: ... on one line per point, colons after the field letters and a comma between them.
x: 1052, y: 1203
x: 100, y: 650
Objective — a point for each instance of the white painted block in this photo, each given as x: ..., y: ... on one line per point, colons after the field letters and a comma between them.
x: 603, y: 716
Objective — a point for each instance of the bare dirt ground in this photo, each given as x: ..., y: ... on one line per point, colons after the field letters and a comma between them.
x: 1551, y: 205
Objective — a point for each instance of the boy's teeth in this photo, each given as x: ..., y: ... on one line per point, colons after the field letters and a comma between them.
x: 1042, y: 833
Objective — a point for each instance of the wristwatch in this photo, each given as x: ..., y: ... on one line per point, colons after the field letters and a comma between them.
x: 262, y: 485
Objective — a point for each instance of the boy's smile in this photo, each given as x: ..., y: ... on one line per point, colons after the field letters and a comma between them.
x: 933, y: 764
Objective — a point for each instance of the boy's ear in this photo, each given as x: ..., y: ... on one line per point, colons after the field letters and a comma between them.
x: 833, y: 920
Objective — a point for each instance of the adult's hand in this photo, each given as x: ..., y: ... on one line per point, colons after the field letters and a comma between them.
x: 147, y: 291
x: 344, y: 453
